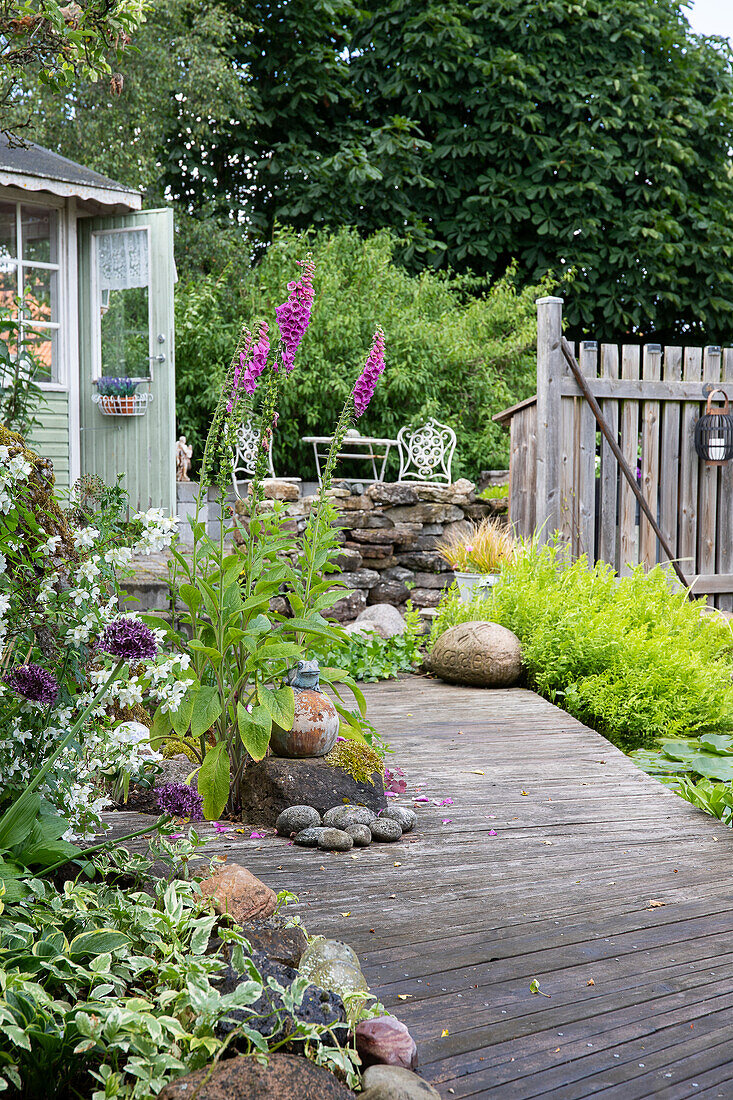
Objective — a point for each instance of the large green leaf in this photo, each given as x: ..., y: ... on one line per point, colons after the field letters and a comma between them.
x: 311, y: 626
x: 213, y: 781
x: 254, y: 729
x: 721, y: 743
x: 96, y: 942
x: 17, y: 821
x: 161, y: 727
x: 206, y: 710
x: 208, y: 651
x: 12, y: 889
x: 191, y: 597
x: 47, y: 853
x: 340, y: 676
x: 279, y: 703
x: 709, y: 764
x: 278, y: 651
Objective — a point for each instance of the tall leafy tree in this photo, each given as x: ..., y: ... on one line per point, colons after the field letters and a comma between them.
x: 594, y: 135
x: 55, y: 43
x: 182, y: 89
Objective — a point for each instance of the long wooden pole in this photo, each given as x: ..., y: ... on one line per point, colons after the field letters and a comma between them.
x: 618, y: 455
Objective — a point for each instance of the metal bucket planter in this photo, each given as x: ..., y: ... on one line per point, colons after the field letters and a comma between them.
x: 316, y: 722
x: 473, y: 585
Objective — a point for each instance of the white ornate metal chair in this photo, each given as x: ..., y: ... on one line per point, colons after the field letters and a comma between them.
x: 426, y: 453
x: 245, y: 453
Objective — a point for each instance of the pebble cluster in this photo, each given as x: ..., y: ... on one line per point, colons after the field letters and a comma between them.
x: 344, y: 827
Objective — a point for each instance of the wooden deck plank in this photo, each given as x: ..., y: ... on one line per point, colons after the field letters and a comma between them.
x: 462, y: 920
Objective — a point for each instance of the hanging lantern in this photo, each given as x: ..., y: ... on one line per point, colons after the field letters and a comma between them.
x: 714, y: 432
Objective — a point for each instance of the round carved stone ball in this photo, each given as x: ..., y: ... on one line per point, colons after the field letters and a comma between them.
x: 482, y: 654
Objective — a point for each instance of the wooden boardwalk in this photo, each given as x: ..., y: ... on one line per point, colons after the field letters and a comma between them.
x: 560, y: 862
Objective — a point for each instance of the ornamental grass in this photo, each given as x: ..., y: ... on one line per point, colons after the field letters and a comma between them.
x: 482, y: 548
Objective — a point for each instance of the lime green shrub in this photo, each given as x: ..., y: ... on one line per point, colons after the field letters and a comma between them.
x: 631, y: 657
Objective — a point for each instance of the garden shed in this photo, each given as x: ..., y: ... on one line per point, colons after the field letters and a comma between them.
x: 88, y: 275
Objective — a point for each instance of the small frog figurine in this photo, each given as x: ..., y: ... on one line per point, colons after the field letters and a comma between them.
x: 304, y: 677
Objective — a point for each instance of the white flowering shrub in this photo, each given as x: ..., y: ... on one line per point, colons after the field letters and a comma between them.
x: 59, y: 589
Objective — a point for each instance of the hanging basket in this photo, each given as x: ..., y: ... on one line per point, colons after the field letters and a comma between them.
x: 714, y: 432
x: 135, y: 404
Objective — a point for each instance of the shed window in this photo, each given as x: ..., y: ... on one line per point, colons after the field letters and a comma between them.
x: 29, y: 281
x: 122, y: 283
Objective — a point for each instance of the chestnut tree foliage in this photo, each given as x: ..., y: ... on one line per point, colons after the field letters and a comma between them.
x: 583, y: 136
x: 592, y: 135
x: 56, y: 43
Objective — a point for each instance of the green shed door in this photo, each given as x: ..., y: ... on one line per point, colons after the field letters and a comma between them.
x: 126, y: 278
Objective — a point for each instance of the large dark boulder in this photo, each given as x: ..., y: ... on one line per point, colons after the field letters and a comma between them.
x: 285, y: 1077
x: 267, y: 1014
x: 274, y: 783
x: 279, y: 941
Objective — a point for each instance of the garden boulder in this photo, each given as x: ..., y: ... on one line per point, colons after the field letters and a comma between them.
x: 274, y: 937
x: 395, y: 1083
x: 284, y: 1077
x: 236, y: 891
x: 384, y: 618
x: 268, y: 1015
x: 480, y: 653
x: 273, y: 784
x: 385, y: 1040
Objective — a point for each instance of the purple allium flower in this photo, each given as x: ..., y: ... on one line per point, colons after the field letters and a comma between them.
x: 33, y: 682
x: 128, y: 639
x: 365, y: 383
x: 180, y: 800
x: 293, y: 316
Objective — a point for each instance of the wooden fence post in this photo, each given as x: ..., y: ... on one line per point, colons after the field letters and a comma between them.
x: 550, y: 369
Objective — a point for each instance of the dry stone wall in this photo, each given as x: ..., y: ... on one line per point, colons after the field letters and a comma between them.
x: 389, y: 532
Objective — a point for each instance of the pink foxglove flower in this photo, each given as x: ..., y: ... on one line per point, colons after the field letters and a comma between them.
x: 364, y: 388
x: 293, y: 316
x: 252, y: 362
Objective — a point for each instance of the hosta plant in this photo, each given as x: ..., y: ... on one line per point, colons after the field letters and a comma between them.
x: 110, y: 991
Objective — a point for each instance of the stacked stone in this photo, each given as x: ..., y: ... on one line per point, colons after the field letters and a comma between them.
x: 390, y: 532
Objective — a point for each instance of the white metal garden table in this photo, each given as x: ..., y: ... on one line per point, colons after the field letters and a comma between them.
x: 354, y: 446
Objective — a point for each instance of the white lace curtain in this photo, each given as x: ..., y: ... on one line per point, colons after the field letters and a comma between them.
x: 123, y: 259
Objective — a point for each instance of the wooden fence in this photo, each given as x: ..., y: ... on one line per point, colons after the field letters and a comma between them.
x: 563, y: 475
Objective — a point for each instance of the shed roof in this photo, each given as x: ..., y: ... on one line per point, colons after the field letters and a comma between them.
x: 33, y: 168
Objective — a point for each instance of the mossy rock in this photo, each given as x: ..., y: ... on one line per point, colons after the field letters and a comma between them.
x: 358, y: 760
x: 271, y: 785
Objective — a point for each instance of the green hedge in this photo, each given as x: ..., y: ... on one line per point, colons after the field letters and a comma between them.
x: 452, y: 352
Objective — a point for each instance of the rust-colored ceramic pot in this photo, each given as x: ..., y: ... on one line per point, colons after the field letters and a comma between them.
x: 315, y: 727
